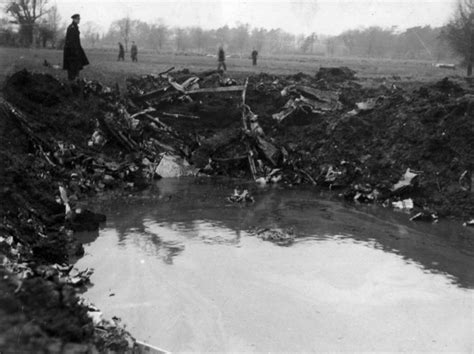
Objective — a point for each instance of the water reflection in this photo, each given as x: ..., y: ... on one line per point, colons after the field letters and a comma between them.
x: 189, y: 275
x: 197, y: 210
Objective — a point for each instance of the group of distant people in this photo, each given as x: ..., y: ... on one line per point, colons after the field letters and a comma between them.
x: 74, y: 58
x: 221, y: 58
x: 133, y: 52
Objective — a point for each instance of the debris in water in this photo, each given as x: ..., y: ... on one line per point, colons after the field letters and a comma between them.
x: 241, y: 197
x: 278, y: 236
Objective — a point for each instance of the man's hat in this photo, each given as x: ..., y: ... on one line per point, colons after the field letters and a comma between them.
x: 75, y: 16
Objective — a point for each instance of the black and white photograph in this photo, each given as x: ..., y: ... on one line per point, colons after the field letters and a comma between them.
x: 236, y: 176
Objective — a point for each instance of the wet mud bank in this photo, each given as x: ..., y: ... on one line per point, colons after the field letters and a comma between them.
x: 388, y: 142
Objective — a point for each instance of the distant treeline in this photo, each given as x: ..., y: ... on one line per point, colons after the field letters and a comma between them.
x: 422, y: 43
x: 373, y: 42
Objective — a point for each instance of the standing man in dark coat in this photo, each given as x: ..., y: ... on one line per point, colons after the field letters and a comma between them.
x: 254, y: 57
x: 74, y: 58
x: 121, y: 55
x: 134, y: 52
x: 221, y: 59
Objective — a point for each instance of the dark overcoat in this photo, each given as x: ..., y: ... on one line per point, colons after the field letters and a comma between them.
x: 221, y: 55
x: 74, y: 58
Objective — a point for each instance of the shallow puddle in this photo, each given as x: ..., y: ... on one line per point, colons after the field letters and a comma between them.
x: 185, y: 272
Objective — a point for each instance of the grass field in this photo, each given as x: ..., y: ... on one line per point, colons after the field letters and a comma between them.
x: 105, y: 68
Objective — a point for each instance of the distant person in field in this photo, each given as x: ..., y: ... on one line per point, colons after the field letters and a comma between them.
x: 134, y: 52
x: 254, y: 56
x: 74, y: 58
x: 121, y: 55
x: 221, y: 59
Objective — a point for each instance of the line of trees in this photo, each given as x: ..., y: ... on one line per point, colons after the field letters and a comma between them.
x: 413, y: 43
x: 374, y: 42
x: 238, y: 40
x: 40, y: 24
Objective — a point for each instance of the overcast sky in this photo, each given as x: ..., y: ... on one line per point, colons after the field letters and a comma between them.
x: 296, y: 16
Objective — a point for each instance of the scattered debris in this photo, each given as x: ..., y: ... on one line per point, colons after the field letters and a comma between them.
x: 366, y: 105
x: 174, y: 166
x: 277, y: 236
x: 405, y: 182
x: 97, y: 139
x: 425, y: 216
x: 145, y: 348
x: 65, y: 200
x: 65, y: 274
x: 274, y: 176
x: 469, y: 223
x: 364, y: 193
x: 332, y: 173
x: 216, y: 90
x: 406, y: 204
x: 110, y: 333
x: 307, y: 100
x: 241, y: 197
x: 465, y: 181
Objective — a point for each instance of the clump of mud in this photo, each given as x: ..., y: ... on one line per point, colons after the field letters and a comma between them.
x: 24, y: 88
x: 335, y: 74
x: 39, y: 125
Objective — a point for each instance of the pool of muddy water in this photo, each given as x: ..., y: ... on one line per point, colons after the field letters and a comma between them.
x: 184, y: 270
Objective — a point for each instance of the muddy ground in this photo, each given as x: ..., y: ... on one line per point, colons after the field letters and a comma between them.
x: 63, y: 143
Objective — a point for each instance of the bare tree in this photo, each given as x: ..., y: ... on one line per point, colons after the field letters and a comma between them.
x: 180, y: 37
x: 331, y: 44
x: 45, y: 34
x: 223, y: 35
x: 26, y: 13
x: 198, y: 37
x: 241, y: 38
x: 349, y: 39
x: 124, y: 27
x: 161, y: 33
x: 91, y: 33
x: 54, y: 20
x: 308, y: 44
x: 460, y: 32
x: 258, y: 38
